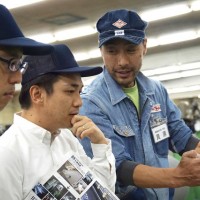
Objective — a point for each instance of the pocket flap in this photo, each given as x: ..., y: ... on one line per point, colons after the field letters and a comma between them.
x: 125, y: 131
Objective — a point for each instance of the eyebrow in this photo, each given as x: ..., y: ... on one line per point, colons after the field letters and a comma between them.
x: 75, y: 85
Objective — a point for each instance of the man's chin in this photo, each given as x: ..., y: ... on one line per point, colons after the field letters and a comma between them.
x: 2, y: 106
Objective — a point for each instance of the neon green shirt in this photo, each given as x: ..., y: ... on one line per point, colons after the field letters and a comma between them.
x: 133, y: 94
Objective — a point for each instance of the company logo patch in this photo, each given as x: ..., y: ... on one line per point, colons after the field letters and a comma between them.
x: 119, y: 23
x: 156, y: 108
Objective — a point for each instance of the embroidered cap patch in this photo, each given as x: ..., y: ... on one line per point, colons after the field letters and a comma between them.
x: 119, y: 23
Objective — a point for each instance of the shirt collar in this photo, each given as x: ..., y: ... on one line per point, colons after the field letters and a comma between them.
x: 27, y: 127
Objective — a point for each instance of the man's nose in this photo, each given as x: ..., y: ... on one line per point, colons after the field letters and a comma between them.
x: 15, y: 77
x: 78, y: 101
x: 122, y: 59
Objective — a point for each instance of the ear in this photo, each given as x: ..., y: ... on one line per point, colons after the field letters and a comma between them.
x: 145, y: 46
x: 36, y: 94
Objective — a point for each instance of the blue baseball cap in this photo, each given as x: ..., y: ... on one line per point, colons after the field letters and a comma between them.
x: 60, y: 61
x: 11, y: 36
x: 124, y: 24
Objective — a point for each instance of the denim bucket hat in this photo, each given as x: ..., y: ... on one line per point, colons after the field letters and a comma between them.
x: 11, y: 35
x: 124, y: 24
x: 60, y: 61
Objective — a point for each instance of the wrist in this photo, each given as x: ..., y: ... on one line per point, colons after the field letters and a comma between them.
x: 102, y: 141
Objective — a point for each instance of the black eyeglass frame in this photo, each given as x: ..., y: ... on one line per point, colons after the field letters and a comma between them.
x: 13, y: 67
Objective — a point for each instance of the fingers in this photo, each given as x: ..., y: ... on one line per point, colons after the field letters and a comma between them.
x: 188, y: 170
x: 81, y: 124
x: 191, y: 154
x: 78, y: 118
x: 83, y: 131
x: 84, y: 127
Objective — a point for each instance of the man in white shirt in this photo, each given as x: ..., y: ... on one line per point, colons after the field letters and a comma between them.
x: 38, y: 139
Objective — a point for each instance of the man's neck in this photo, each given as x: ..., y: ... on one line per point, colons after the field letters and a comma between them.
x: 39, y: 120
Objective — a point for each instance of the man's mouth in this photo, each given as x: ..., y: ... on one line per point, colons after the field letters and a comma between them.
x: 123, y: 73
x: 9, y: 94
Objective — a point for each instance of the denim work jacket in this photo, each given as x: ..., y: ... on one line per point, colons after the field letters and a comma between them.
x: 131, y: 132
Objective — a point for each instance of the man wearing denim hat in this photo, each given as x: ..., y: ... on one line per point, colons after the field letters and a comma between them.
x: 13, y: 45
x: 38, y: 140
x: 136, y: 113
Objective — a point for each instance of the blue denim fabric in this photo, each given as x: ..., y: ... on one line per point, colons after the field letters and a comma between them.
x: 108, y: 106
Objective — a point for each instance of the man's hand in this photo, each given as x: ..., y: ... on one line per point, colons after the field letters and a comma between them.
x: 85, y: 127
x: 187, y: 173
x: 188, y: 169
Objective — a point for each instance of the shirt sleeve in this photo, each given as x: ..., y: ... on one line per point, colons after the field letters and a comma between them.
x: 11, y: 188
x: 102, y: 164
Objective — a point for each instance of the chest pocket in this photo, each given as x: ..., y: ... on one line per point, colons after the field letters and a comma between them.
x: 124, y: 131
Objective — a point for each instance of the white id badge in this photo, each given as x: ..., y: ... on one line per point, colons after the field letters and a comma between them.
x: 160, y: 132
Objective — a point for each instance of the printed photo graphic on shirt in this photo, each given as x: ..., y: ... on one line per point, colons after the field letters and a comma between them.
x: 71, y: 180
x: 96, y: 191
x: 49, y: 197
x: 55, y: 188
x: 68, y: 196
x: 40, y: 191
x: 160, y: 133
x: 73, y: 172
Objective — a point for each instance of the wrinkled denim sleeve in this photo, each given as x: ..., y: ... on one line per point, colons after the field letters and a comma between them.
x: 180, y: 133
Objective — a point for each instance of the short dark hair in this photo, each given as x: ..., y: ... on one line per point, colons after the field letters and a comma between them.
x: 45, y: 81
x: 13, y: 51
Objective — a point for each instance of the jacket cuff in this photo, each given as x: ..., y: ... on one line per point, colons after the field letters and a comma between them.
x: 125, y: 172
x: 191, y: 144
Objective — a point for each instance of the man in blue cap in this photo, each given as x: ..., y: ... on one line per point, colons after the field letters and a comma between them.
x: 38, y: 140
x: 137, y: 114
x: 13, y: 45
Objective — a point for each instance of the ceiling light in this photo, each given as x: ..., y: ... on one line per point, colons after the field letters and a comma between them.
x: 174, y: 72
x: 184, y: 89
x: 171, y: 38
x: 173, y: 68
x: 177, y: 37
x: 165, y: 12
x: 74, y: 33
x: 176, y: 75
x: 10, y: 4
x: 195, y: 5
x: 152, y: 42
x: 95, y: 53
x: 81, y: 56
x: 64, y: 34
x: 45, y: 38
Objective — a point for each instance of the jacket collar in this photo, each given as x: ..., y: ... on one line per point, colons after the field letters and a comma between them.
x: 114, y: 89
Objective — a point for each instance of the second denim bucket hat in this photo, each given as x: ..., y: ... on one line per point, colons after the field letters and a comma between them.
x: 60, y: 61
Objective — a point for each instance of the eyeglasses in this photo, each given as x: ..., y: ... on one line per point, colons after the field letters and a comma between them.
x: 15, y: 65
